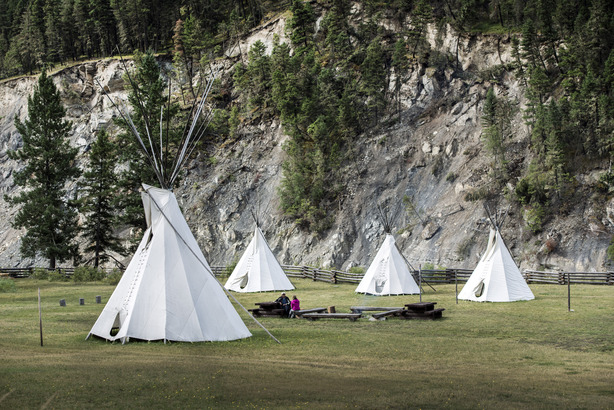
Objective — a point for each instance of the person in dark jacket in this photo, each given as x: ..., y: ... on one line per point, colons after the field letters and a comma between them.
x: 284, y: 301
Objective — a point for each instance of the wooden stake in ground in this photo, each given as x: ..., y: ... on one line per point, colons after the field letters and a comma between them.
x: 568, y: 291
x: 40, y: 315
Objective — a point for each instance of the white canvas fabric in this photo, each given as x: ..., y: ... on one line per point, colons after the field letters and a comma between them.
x: 496, y: 278
x: 167, y: 291
x: 388, y: 274
x: 258, y: 270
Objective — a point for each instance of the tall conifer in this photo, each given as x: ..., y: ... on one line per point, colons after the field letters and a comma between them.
x: 100, y: 188
x: 47, y: 215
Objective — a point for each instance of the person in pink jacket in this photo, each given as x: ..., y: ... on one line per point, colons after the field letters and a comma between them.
x: 295, y: 305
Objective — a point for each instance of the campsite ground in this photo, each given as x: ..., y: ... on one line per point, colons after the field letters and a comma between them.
x: 514, y: 355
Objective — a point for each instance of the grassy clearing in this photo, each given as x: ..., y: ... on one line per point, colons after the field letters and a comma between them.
x: 517, y: 355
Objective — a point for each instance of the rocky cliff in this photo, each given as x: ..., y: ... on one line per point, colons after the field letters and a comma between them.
x: 433, y: 155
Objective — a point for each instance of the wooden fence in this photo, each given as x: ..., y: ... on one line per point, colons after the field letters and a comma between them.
x: 561, y: 278
x: 336, y: 276
x: 431, y: 276
x: 27, y: 272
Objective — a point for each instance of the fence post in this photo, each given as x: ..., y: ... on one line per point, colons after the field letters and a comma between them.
x: 569, y: 291
x: 420, y: 280
x: 456, y: 285
x: 334, y: 277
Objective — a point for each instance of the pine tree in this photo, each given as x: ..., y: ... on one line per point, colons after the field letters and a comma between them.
x: 492, y: 133
x: 47, y: 215
x: 302, y: 25
x: 374, y: 78
x: 100, y: 188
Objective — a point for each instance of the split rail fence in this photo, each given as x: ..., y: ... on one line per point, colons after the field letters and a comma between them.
x: 433, y: 276
x: 430, y: 276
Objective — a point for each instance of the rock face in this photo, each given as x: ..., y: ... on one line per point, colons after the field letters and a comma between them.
x: 434, y: 156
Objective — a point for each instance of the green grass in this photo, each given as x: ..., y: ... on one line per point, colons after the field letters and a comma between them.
x: 511, y: 355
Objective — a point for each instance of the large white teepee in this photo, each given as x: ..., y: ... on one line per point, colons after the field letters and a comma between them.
x: 388, y: 274
x: 168, y: 291
x: 496, y: 278
x: 258, y: 270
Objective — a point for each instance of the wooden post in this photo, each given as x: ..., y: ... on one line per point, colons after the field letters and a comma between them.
x: 40, y: 315
x: 420, y: 281
x: 569, y: 291
x: 331, y: 309
x: 456, y: 285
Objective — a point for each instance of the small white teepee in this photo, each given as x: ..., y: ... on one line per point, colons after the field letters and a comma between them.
x: 496, y: 278
x: 167, y: 291
x: 258, y: 270
x: 388, y: 274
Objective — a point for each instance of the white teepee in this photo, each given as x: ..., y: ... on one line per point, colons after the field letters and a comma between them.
x: 258, y: 270
x: 496, y: 278
x: 388, y: 274
x: 167, y: 291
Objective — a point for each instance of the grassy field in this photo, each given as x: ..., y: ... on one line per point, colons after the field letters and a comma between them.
x: 512, y: 355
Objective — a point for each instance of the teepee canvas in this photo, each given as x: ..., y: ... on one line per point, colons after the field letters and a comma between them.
x: 167, y: 291
x: 258, y: 270
x: 496, y: 278
x: 388, y: 274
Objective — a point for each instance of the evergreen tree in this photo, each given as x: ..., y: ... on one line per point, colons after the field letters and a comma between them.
x: 99, y: 190
x: 492, y: 134
x: 29, y: 47
x: 259, y: 76
x: 374, y: 78
x: 302, y: 25
x: 555, y: 157
x: 421, y: 16
x: 47, y: 215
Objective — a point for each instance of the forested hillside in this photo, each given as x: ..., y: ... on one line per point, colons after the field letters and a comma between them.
x: 347, y: 71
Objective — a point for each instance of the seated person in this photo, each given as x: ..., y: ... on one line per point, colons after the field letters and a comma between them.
x: 284, y: 301
x: 295, y: 305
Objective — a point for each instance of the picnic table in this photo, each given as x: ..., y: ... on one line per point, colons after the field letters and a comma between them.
x: 268, y: 309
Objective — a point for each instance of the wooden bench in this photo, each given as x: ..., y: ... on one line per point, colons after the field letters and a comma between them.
x: 391, y: 312
x: 314, y: 316
x: 301, y: 312
x: 360, y: 309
